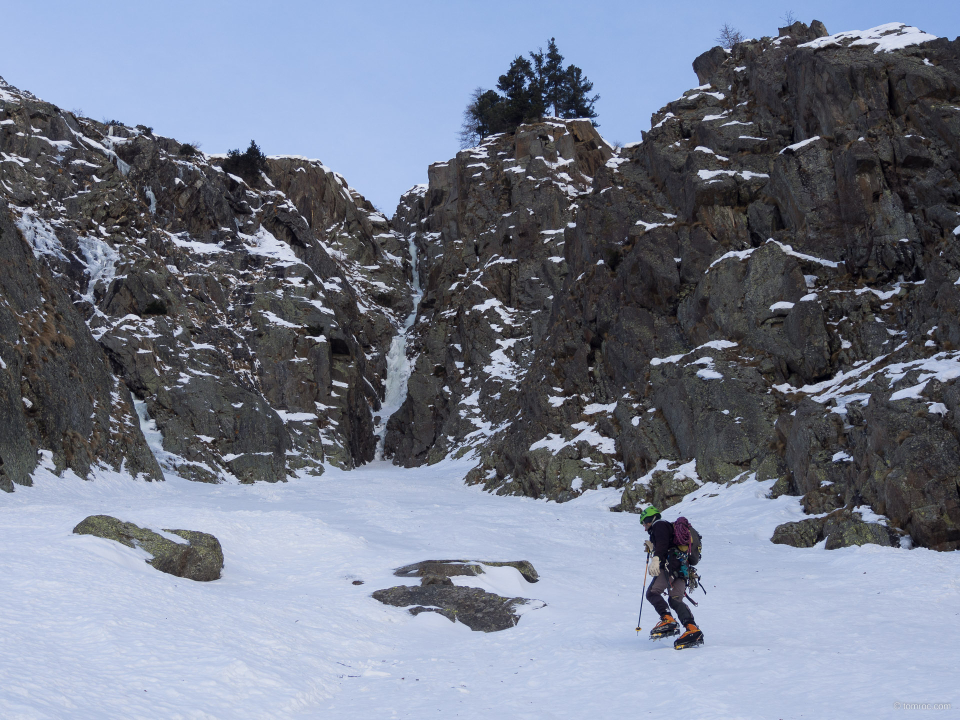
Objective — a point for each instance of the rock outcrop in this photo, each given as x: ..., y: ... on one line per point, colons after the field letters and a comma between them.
x: 841, y: 528
x: 58, y: 391
x: 200, y: 558
x: 472, y: 568
x: 249, y: 320
x: 765, y: 287
x: 474, y: 607
x: 490, y: 233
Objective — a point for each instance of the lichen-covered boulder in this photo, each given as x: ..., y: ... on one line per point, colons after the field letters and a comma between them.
x: 841, y: 528
x: 200, y: 558
x: 800, y: 534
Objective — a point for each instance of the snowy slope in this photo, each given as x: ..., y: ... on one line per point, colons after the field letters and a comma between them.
x: 90, y: 631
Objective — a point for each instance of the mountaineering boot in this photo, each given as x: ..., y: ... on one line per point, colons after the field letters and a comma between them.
x: 691, y: 638
x: 667, y: 627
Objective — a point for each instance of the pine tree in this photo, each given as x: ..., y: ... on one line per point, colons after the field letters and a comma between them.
x: 577, y: 102
x: 554, y: 78
x: 518, y: 95
x: 526, y: 91
x: 248, y: 164
x: 482, y: 117
x: 538, y: 85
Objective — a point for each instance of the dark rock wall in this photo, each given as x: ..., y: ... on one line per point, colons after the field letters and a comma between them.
x: 251, y: 317
x: 490, y: 231
x: 764, y: 287
x: 57, y: 390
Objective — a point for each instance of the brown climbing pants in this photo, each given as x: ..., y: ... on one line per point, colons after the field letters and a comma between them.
x: 677, y: 588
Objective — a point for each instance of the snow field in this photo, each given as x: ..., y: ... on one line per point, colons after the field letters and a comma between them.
x: 90, y: 631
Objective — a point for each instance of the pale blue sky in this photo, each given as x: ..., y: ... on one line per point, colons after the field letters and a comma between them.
x: 375, y: 89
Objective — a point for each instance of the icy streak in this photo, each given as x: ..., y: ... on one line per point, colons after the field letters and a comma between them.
x: 399, y: 366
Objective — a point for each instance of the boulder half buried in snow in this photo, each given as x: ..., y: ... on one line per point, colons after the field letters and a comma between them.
x: 199, y: 558
x: 841, y: 528
x: 474, y: 607
x: 448, y: 568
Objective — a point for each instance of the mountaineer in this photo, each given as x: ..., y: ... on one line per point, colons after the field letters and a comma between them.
x: 673, y: 550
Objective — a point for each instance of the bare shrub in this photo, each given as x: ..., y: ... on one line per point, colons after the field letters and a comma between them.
x: 729, y: 36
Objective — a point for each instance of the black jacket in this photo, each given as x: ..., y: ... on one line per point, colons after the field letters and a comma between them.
x: 661, y: 535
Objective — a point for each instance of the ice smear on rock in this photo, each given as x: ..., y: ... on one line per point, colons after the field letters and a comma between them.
x: 399, y: 366
x: 40, y: 235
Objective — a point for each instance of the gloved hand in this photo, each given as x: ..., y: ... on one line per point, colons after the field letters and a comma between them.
x: 648, y: 546
x: 654, y: 566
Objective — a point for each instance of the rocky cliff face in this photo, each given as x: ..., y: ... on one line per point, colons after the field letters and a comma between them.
x: 764, y: 287
x: 251, y: 320
x: 490, y: 230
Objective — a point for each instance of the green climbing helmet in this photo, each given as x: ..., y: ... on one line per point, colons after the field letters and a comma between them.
x: 649, y: 514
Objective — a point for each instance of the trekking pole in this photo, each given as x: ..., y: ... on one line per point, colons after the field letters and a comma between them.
x: 645, y: 566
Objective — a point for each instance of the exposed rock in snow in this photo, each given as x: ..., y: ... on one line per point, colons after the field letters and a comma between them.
x: 185, y: 553
x: 476, y: 607
x: 452, y: 568
x: 840, y: 528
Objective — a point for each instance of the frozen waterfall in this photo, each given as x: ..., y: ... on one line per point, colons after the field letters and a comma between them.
x: 399, y: 365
